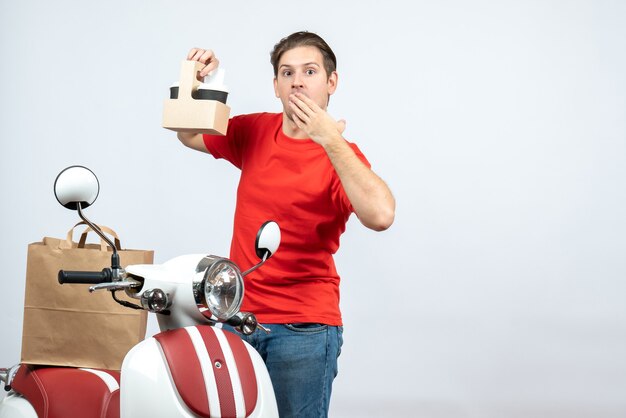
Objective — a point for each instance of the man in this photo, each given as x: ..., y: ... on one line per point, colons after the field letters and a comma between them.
x: 298, y: 170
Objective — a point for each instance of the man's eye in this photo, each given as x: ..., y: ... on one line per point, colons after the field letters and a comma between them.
x: 286, y: 73
x: 310, y: 72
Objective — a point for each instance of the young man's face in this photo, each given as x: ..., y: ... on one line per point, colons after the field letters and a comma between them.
x: 302, y: 69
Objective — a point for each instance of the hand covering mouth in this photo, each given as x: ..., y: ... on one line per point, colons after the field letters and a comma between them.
x: 294, y: 91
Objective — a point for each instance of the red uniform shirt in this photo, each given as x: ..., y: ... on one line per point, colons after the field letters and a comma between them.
x: 292, y: 182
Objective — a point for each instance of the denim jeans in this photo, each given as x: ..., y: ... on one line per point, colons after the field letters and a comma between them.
x: 302, y: 363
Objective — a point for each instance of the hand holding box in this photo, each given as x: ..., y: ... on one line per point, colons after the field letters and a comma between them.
x: 196, y: 109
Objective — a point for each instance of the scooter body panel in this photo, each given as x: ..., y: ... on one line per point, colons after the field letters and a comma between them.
x: 16, y: 406
x: 174, y: 277
x: 148, y: 387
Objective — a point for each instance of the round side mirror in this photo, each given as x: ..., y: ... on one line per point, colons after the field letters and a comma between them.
x: 267, y: 240
x: 76, y: 184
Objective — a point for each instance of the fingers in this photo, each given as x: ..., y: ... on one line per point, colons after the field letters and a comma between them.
x: 205, y: 56
x: 299, y: 122
x: 302, y: 103
x: 200, y: 54
x: 192, y: 53
x: 301, y: 98
x: 299, y: 112
x: 307, y: 113
x: 212, y: 65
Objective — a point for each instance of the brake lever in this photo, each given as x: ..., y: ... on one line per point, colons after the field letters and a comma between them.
x: 122, y: 285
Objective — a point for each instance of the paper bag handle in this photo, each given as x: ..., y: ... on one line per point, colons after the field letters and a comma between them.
x: 83, y: 237
x: 103, y: 244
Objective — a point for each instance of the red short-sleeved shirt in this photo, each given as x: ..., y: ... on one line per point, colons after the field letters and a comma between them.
x: 292, y: 182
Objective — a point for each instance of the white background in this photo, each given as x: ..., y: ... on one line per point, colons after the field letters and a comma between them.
x: 499, y: 126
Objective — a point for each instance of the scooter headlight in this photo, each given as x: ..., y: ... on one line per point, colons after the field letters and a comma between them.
x: 221, y: 288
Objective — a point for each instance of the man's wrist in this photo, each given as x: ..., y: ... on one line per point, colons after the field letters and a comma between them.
x: 333, y: 142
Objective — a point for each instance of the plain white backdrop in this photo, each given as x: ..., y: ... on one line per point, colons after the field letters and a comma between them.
x: 499, y: 126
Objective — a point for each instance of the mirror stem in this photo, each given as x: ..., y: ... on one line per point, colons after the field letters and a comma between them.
x: 251, y: 269
x: 115, y: 259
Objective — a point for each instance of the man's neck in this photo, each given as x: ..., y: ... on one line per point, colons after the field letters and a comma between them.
x: 291, y: 129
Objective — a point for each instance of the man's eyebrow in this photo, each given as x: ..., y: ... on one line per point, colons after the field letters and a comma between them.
x: 307, y: 64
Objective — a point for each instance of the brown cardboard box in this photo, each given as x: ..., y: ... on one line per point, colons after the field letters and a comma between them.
x: 186, y: 114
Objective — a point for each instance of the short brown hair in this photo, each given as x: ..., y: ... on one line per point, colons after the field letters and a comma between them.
x: 304, y: 38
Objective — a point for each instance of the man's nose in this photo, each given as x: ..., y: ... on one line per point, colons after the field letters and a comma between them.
x: 296, y: 81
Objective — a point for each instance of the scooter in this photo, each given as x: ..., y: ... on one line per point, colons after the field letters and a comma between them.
x: 190, y: 369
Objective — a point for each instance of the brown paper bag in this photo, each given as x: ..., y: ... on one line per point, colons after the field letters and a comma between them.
x: 65, y: 325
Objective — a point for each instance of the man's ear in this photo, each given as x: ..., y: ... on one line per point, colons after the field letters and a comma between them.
x: 332, y: 82
x: 276, y: 87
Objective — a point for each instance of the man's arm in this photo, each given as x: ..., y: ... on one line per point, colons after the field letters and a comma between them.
x: 193, y: 141
x: 370, y: 197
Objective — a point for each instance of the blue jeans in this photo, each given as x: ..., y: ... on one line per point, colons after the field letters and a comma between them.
x: 302, y: 363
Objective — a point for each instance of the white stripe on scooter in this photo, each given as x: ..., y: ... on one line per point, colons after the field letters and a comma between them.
x: 229, y: 358
x: 207, y: 372
x: 106, y: 378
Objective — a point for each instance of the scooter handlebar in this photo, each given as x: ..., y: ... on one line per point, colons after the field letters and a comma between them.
x: 85, y: 277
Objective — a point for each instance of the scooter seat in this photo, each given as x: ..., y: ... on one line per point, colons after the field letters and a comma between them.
x: 61, y: 392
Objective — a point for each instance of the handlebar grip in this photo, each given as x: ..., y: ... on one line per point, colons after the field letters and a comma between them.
x: 85, y: 277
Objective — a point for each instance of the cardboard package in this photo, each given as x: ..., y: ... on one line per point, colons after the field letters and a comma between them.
x: 187, y: 114
x: 66, y: 325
